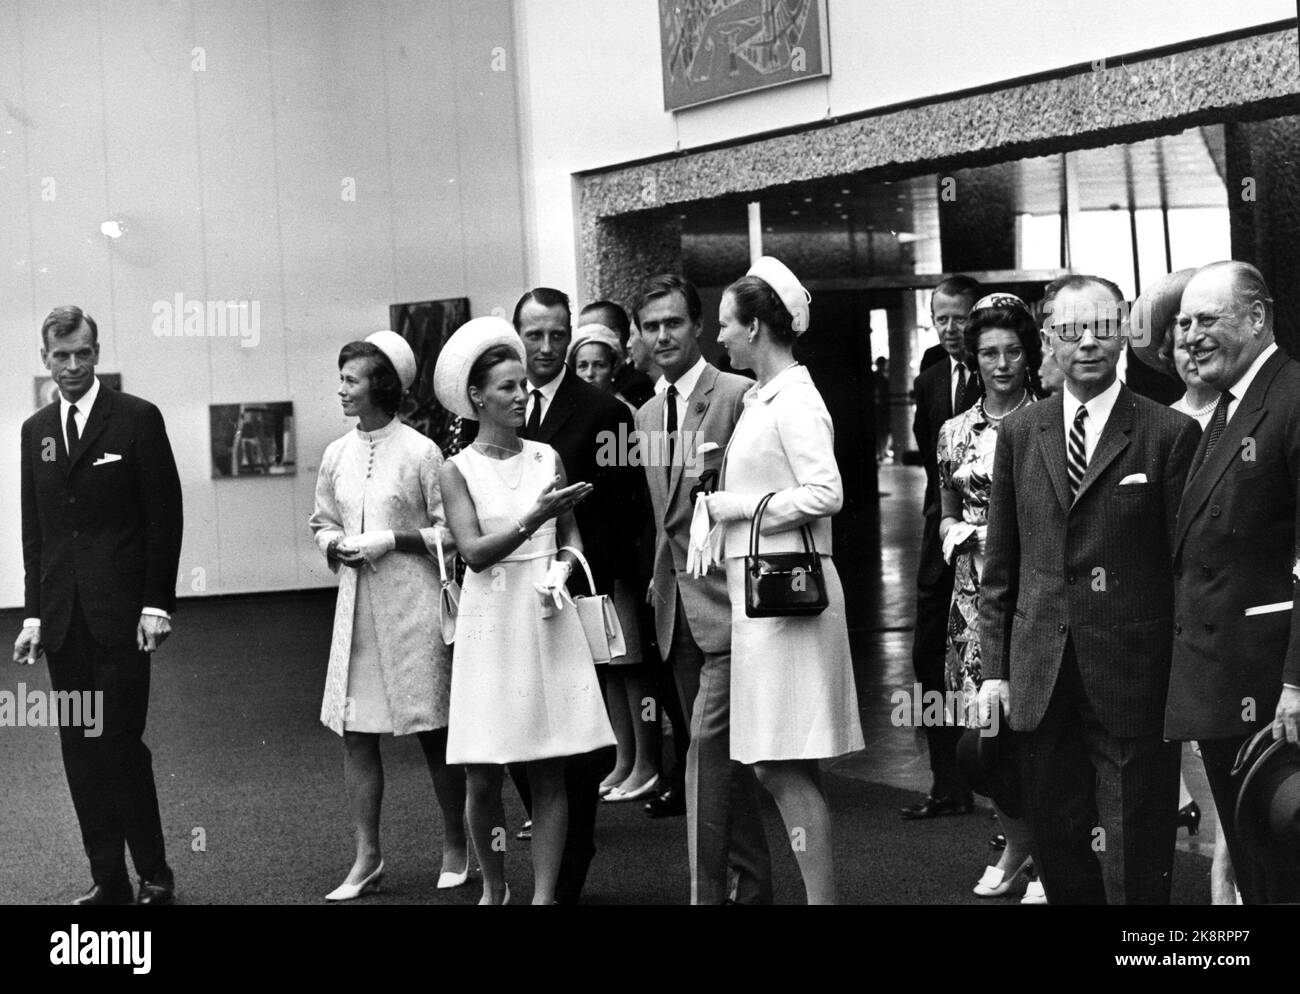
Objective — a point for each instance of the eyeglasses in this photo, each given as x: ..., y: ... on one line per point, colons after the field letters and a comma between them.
x: 1101, y: 330
x: 997, y: 355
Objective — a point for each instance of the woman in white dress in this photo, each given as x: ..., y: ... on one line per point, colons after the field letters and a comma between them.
x: 523, y: 688
x: 378, y: 510
x: 793, y: 698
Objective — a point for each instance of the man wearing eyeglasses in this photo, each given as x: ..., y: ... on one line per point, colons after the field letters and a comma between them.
x: 1077, y: 605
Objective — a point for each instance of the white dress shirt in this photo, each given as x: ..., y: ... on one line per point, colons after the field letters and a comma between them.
x: 1099, y: 409
x: 84, y: 406
x: 685, y: 385
x: 1247, y: 378
x: 548, y: 395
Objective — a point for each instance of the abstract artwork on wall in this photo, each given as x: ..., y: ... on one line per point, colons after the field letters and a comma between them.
x: 712, y: 49
x: 426, y: 326
x: 252, y: 439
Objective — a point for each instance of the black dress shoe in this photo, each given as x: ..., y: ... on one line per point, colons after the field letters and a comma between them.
x: 160, y: 890
x: 669, y: 804
x: 1189, y: 817
x: 935, y: 807
x: 104, y: 895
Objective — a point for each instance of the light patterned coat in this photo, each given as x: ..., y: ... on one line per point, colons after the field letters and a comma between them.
x: 375, y: 481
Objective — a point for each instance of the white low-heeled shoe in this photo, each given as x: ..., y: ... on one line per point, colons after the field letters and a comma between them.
x: 449, y: 881
x: 1034, y: 893
x: 619, y: 795
x: 349, y: 892
x: 995, y: 883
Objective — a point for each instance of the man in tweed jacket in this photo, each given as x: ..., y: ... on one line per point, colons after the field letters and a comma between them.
x: 1077, y: 603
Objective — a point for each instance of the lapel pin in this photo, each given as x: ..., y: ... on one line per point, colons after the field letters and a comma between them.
x: 699, y: 407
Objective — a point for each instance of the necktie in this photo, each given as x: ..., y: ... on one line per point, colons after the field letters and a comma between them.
x: 73, y: 435
x: 1076, y: 454
x: 535, y: 419
x: 960, y: 395
x: 672, y: 428
x: 1217, y: 423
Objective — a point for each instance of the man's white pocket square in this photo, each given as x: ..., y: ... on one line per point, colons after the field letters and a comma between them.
x: 106, y: 458
x: 1133, y: 478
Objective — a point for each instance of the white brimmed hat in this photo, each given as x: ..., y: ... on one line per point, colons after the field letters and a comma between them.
x: 399, y: 353
x: 777, y: 275
x: 600, y: 333
x: 471, y: 340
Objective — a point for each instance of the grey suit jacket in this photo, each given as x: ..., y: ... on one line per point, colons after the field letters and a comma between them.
x: 1098, y: 569
x: 712, y: 410
x: 1235, y: 549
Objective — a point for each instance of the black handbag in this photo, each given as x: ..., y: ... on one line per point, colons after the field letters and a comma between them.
x: 782, y: 584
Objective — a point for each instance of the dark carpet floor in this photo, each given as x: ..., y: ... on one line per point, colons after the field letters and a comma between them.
x: 251, y: 789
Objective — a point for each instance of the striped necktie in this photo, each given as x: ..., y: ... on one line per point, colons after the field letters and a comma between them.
x: 1218, y: 422
x: 1076, y: 454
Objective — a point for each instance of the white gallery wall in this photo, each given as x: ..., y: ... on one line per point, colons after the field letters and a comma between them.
x: 883, y: 52
x: 321, y: 159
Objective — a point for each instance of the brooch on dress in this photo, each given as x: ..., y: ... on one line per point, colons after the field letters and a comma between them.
x: 699, y: 407
x: 537, y: 456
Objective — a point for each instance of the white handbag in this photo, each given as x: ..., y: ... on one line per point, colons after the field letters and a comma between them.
x: 448, y: 597
x: 599, y: 619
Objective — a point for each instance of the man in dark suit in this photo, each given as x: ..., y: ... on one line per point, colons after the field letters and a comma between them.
x: 943, y: 391
x: 695, y: 404
x: 1076, y: 607
x: 577, y: 420
x: 101, y: 543
x: 1236, y: 665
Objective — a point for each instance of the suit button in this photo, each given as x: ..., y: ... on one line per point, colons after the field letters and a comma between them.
x: 1215, y: 511
x: 1071, y: 579
x: 1061, y: 629
x: 1205, y: 570
x: 1178, y: 629
x: 72, y: 500
x: 1209, y: 626
x: 75, y: 533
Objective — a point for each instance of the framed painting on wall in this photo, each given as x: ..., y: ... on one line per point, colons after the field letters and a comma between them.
x: 252, y: 439
x: 426, y: 326
x: 712, y: 49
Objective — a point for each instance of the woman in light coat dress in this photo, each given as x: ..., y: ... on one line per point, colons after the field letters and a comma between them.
x: 793, y: 697
x: 378, y: 512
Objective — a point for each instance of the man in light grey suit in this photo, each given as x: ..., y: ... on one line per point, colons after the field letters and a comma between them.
x: 694, y: 404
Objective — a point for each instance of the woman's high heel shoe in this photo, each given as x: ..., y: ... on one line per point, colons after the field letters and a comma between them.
x: 447, y: 880
x: 995, y: 883
x: 1189, y: 817
x: 349, y: 892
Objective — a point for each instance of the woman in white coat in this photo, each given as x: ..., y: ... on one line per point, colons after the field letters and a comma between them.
x: 793, y: 698
x: 378, y: 513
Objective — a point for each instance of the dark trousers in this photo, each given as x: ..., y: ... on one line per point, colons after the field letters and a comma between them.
x: 582, y: 777
x: 1258, y: 883
x: 929, y: 645
x: 110, y: 776
x: 1102, y: 809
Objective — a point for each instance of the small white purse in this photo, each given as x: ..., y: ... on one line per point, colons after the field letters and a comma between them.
x: 448, y: 597
x: 600, y: 622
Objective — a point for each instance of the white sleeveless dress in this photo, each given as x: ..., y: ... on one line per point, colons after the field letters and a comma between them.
x: 523, y: 687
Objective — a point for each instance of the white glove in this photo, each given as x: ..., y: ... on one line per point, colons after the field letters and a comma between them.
x: 552, y: 590
x: 371, y: 546
x: 957, y: 534
x: 724, y: 507
x: 705, y: 546
x: 993, y: 694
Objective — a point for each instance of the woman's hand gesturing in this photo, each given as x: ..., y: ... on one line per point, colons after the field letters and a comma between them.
x: 554, y: 500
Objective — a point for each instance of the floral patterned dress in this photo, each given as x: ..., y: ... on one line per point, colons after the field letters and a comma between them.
x: 966, y: 446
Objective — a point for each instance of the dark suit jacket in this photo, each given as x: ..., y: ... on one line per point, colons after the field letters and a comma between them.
x: 1098, y: 570
x: 1235, y: 548
x: 933, y: 390
x: 581, y: 423
x: 106, y: 532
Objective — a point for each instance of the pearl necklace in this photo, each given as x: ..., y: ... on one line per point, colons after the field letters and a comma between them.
x: 1199, y: 411
x: 996, y: 418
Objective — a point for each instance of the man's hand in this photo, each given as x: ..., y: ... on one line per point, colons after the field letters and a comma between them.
x: 1286, y: 720
x: 27, y: 647
x: 151, y: 632
x: 993, y: 694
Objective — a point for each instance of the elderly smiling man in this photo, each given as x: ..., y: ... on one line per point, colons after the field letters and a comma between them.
x: 1236, y: 663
